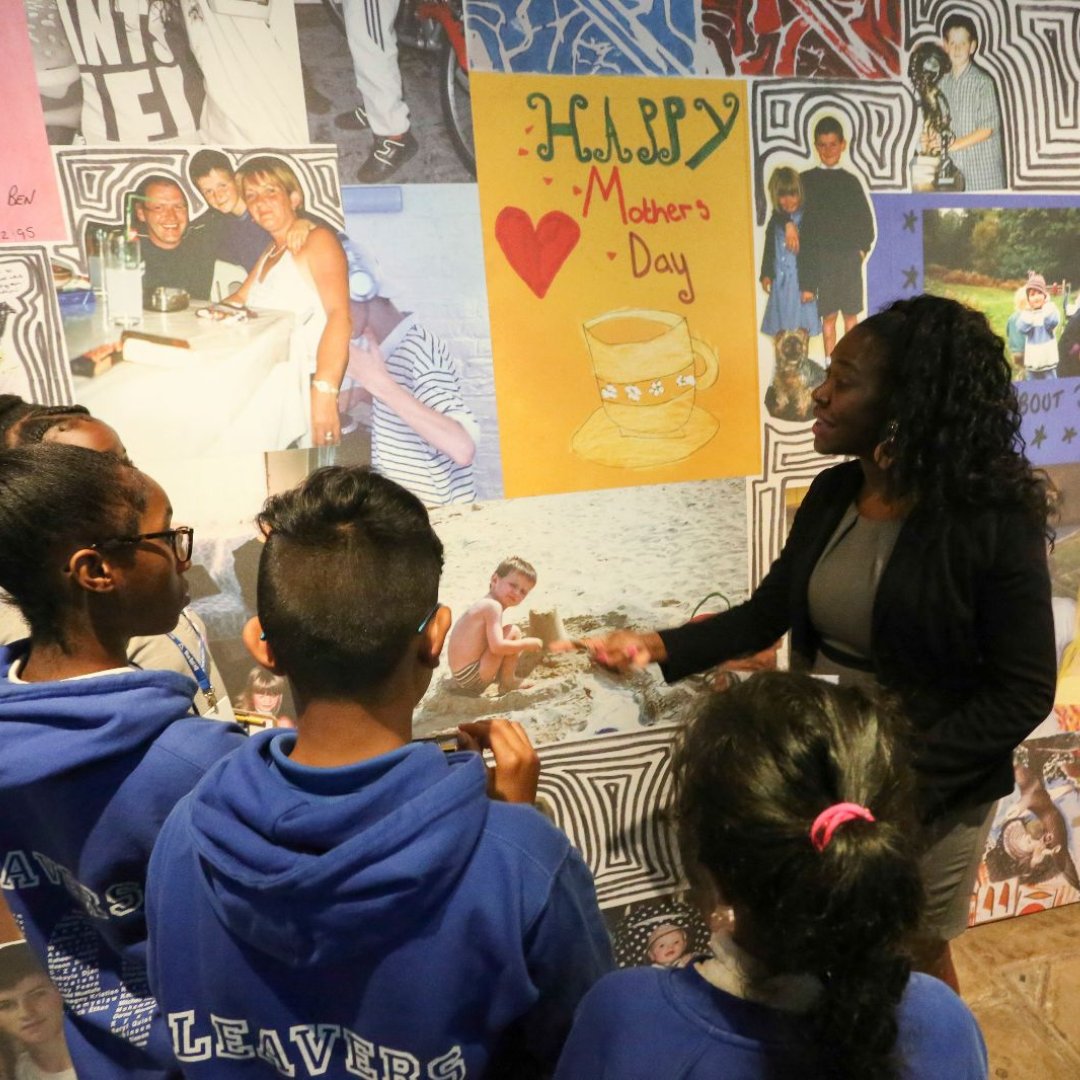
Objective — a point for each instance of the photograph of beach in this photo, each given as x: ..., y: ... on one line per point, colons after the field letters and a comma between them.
x: 644, y: 557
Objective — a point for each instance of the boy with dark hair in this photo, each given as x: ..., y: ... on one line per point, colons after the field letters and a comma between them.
x: 973, y: 108
x: 836, y: 234
x: 234, y: 235
x: 237, y: 237
x: 341, y: 900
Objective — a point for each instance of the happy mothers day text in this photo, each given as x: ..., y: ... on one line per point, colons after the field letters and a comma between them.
x: 667, y: 143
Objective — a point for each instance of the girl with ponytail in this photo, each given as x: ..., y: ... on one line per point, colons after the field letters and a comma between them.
x: 794, y: 807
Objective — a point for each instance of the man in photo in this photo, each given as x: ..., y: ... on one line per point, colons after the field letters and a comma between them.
x: 974, y: 111
x: 175, y: 253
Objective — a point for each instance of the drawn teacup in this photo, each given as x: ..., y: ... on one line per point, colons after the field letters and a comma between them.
x: 648, y: 370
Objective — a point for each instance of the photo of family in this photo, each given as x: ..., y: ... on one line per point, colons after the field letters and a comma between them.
x: 213, y: 283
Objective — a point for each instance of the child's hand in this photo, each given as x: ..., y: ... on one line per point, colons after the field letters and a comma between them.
x: 807, y: 296
x: 516, y: 772
x: 766, y: 284
x: 532, y: 644
x: 791, y: 237
x: 297, y: 235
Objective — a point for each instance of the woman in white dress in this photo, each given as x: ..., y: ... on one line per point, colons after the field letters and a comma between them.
x: 312, y: 283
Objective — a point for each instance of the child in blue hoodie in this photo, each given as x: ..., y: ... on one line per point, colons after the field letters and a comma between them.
x: 794, y: 803
x: 94, y: 752
x: 338, y: 900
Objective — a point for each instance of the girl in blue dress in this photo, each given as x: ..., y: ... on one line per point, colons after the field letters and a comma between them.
x: 789, y: 306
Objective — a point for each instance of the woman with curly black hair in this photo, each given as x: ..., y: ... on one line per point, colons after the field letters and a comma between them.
x: 920, y: 566
x: 793, y: 803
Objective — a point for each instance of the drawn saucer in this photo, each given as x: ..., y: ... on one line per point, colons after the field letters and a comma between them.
x: 599, y: 440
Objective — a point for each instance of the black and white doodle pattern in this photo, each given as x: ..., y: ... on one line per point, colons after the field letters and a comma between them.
x: 878, y: 120
x: 94, y: 183
x: 790, y: 462
x: 610, y: 796
x: 1032, y: 50
x: 31, y: 336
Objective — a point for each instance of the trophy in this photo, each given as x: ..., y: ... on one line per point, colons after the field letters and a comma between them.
x: 932, y: 169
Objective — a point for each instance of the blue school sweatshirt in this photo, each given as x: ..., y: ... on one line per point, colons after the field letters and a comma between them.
x: 89, y: 770
x: 653, y: 1024
x: 384, y: 920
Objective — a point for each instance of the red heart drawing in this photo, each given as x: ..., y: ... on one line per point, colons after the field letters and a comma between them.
x: 611, y: 254
x: 536, y: 254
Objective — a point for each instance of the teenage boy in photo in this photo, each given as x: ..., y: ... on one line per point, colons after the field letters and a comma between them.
x: 32, y: 1016
x: 339, y: 900
x: 235, y: 235
x: 973, y: 107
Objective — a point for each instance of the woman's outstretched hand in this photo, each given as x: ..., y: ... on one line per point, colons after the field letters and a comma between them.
x: 618, y: 651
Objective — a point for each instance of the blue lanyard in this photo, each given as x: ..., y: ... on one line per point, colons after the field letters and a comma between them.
x: 198, y: 669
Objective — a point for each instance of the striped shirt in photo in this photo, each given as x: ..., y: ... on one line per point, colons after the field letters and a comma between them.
x: 421, y: 363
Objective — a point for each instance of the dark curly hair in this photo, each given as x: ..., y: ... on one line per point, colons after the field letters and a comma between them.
x: 953, y: 433
x: 753, y: 769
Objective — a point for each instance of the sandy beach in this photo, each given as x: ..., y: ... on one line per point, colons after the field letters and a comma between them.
x: 634, y: 557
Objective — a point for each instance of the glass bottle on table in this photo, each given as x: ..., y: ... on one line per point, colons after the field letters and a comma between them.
x: 124, y: 279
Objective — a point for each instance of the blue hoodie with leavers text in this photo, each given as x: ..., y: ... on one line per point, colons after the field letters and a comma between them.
x: 383, y: 919
x: 89, y: 770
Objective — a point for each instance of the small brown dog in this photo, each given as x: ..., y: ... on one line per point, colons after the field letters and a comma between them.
x: 794, y: 376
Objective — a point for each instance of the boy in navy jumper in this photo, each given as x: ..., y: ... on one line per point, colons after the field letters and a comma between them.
x: 341, y: 901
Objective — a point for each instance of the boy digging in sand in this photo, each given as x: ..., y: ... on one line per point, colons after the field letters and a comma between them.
x: 481, y: 648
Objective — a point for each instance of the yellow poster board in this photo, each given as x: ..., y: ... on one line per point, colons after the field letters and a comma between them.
x: 617, y: 236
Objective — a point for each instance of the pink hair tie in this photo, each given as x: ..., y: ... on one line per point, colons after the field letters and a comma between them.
x: 831, y: 818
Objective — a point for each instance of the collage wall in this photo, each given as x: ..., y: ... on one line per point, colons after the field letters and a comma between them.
x: 566, y: 265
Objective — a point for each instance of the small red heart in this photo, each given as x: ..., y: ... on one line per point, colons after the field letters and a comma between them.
x: 536, y: 254
x: 576, y: 190
x: 611, y: 254
x: 547, y: 179
x: 528, y: 130
x: 522, y: 152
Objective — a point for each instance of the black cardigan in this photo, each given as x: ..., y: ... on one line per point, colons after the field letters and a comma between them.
x: 962, y: 631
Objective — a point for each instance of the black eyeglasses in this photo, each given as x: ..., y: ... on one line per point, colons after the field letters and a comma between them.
x: 181, y: 540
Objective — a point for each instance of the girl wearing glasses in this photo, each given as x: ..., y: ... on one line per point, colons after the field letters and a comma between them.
x: 183, y: 648
x: 94, y: 752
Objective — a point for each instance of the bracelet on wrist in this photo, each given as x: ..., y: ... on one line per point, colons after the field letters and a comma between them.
x: 324, y: 387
